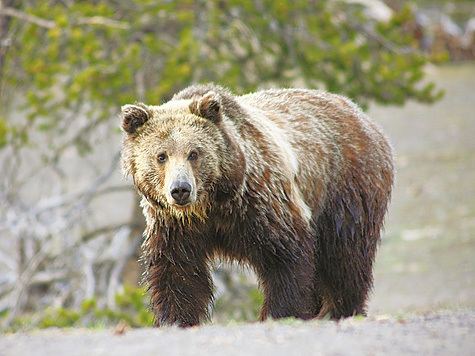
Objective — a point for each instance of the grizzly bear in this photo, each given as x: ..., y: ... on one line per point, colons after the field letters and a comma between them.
x: 294, y: 183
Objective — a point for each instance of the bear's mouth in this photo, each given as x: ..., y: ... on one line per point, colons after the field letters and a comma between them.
x: 186, y: 212
x: 181, y: 205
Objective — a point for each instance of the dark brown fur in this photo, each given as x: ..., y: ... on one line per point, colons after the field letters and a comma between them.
x: 294, y: 183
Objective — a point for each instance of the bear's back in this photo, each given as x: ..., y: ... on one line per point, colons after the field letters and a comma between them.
x: 329, y: 135
x: 308, y: 110
x: 322, y: 122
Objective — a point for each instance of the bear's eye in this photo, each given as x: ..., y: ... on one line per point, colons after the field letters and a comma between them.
x: 162, y: 157
x: 193, y: 156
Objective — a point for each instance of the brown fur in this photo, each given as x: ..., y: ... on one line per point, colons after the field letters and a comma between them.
x: 293, y: 182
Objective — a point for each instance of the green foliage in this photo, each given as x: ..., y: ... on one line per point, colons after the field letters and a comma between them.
x: 359, y: 317
x: 291, y: 321
x: 241, y: 303
x: 108, y: 53
x: 3, y: 132
x: 132, y: 309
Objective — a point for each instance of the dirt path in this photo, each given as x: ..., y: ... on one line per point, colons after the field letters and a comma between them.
x: 441, y: 333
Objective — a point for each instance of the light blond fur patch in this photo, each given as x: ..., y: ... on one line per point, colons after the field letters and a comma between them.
x: 280, y: 140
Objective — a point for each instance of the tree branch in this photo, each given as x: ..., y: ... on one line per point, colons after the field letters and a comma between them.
x: 104, y: 230
x: 8, y: 11
x: 103, y: 21
x: 94, y: 20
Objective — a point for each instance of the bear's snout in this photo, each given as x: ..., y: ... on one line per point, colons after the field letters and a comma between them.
x: 180, y: 184
x: 180, y: 192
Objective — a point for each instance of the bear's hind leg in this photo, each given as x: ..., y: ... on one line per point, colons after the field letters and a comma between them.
x: 345, y: 253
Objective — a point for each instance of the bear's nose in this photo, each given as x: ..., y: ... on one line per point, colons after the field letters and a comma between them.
x: 180, y: 191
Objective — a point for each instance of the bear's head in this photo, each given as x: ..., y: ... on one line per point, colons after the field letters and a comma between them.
x: 179, y: 154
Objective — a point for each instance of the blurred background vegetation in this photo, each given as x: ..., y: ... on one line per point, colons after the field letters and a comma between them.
x: 70, y: 228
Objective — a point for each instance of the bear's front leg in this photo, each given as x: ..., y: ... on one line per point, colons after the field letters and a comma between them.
x: 181, y: 290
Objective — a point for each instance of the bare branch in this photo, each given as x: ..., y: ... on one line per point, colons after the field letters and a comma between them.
x: 46, y: 277
x: 94, y: 20
x: 8, y: 11
x: 390, y: 46
x: 103, y: 21
x: 104, y: 230
x: 24, y: 280
x: 119, y: 265
x: 89, y: 193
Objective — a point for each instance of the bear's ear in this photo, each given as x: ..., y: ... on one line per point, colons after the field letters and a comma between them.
x: 208, y: 107
x: 134, y: 117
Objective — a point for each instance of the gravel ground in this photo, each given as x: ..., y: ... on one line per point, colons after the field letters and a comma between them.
x: 436, y: 333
